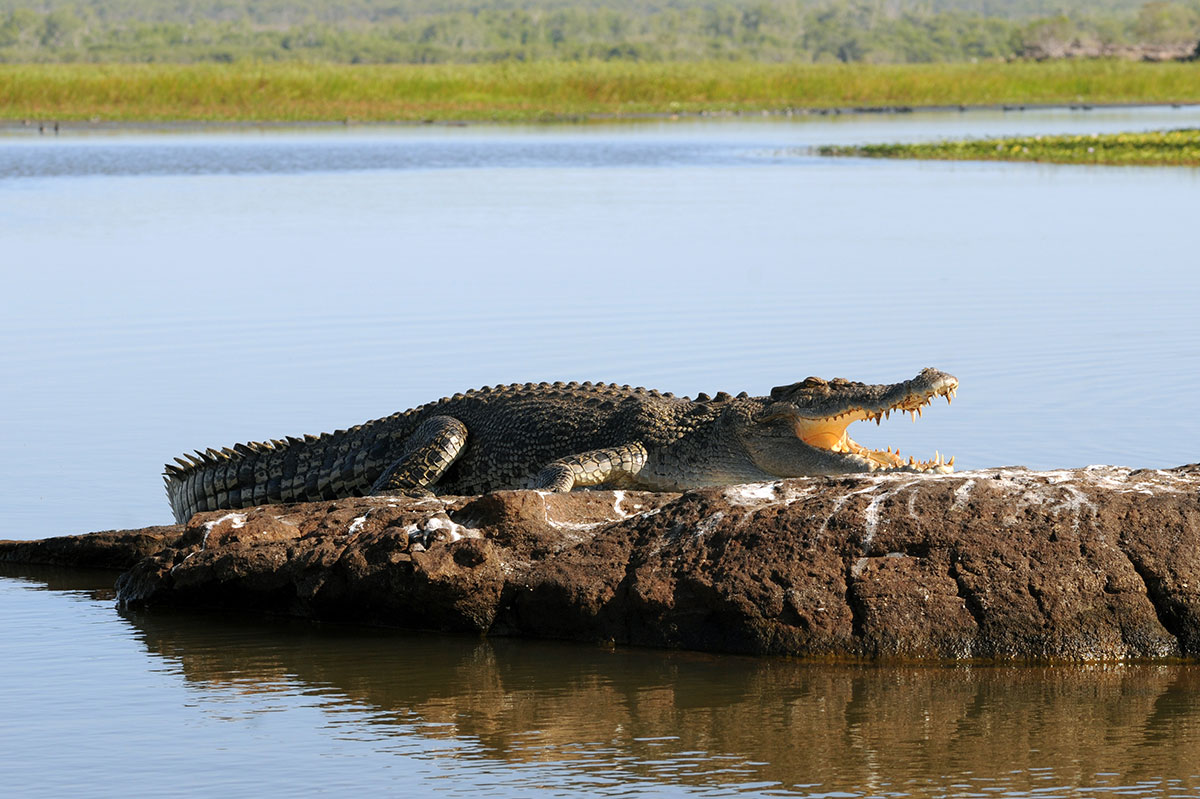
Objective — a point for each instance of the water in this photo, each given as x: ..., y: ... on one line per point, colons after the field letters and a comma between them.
x: 181, y: 290
x: 171, y: 289
x: 165, y: 704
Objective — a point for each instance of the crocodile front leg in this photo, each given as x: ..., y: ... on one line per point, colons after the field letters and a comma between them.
x: 597, y: 467
x: 433, y: 446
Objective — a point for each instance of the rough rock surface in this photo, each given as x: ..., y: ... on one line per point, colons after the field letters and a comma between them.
x: 1084, y: 564
x: 111, y: 549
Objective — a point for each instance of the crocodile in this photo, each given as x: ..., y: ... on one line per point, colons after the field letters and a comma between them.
x: 560, y: 436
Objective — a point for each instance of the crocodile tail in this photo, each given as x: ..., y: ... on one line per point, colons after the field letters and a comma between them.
x: 338, y: 464
x: 226, y: 478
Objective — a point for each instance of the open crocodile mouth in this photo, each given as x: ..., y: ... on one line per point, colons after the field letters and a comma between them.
x: 829, y: 433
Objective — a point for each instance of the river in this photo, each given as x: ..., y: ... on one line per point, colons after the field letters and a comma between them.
x: 172, y: 288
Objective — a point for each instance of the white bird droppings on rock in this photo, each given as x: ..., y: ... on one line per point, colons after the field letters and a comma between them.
x: 236, y: 521
x: 751, y: 493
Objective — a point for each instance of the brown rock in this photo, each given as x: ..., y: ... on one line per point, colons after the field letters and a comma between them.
x: 1084, y: 564
x: 111, y: 549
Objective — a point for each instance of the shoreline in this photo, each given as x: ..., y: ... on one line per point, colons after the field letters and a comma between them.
x: 10, y: 125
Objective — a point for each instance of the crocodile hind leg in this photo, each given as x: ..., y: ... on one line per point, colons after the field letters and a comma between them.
x: 596, y: 467
x: 433, y: 446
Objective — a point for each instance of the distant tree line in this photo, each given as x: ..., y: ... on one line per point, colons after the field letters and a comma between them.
x: 440, y: 31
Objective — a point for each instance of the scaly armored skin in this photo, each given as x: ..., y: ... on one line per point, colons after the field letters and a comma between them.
x: 566, y: 435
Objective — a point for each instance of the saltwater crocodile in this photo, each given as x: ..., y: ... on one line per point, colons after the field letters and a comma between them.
x: 561, y: 436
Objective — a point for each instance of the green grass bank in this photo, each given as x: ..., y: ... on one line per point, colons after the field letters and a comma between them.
x: 547, y: 91
x: 1156, y: 148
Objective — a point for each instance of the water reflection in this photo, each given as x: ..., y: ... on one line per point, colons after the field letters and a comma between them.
x: 612, y: 716
x: 95, y: 584
x: 271, y: 705
x: 251, y: 157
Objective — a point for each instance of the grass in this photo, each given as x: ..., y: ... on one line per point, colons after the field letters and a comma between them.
x: 1156, y: 148
x: 557, y: 90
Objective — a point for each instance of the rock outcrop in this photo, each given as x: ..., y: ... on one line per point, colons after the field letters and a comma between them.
x: 1085, y: 564
x: 117, y: 550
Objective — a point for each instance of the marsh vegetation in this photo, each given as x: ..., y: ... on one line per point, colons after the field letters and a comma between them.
x: 558, y: 90
x: 1153, y: 148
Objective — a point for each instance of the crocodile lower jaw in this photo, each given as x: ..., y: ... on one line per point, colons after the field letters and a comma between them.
x: 936, y: 465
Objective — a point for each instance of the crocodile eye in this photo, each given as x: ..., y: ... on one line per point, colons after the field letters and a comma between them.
x: 809, y: 383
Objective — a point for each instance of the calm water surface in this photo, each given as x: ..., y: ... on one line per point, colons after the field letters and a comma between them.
x: 158, y: 704
x: 171, y: 290
x: 165, y: 292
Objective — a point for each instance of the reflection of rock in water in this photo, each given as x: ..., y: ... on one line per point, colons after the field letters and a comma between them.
x: 95, y: 583
x: 702, y: 720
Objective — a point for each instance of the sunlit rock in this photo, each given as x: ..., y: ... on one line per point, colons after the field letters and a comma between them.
x: 1082, y: 564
